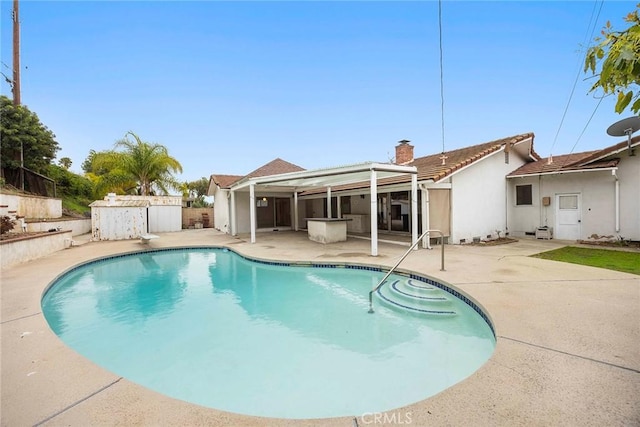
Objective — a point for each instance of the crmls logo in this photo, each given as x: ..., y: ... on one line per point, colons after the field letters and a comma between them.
x: 386, y: 418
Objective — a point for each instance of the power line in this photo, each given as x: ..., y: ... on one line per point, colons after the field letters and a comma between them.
x: 441, y: 73
x: 583, y: 130
x: 588, y: 37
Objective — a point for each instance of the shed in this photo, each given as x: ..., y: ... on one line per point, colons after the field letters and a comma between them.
x: 128, y: 217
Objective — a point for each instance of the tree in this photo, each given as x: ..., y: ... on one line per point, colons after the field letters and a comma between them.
x: 21, y: 129
x: 618, y: 55
x: 198, y: 190
x: 65, y: 162
x: 142, y: 167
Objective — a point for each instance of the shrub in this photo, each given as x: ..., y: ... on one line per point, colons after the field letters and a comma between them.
x: 6, y: 224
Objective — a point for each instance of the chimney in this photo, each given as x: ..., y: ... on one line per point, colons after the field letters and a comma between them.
x: 404, y: 152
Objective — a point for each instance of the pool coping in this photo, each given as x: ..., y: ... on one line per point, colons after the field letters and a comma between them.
x: 544, y: 346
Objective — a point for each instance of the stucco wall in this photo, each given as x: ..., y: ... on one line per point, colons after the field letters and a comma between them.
x: 221, y: 210
x: 76, y: 226
x: 629, y: 175
x: 361, y: 205
x: 525, y: 218
x: 32, y: 206
x: 478, y: 197
x: 13, y: 252
x: 597, y: 194
x: 242, y: 212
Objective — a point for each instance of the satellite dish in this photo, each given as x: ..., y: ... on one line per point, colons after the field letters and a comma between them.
x: 626, y: 127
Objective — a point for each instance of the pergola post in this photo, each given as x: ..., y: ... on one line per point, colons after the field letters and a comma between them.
x: 233, y: 213
x: 329, y: 202
x: 374, y: 212
x: 295, y: 211
x: 339, y: 207
x: 252, y: 211
x: 426, y: 240
x: 414, y: 210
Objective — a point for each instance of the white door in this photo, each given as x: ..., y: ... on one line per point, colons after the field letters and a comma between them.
x: 567, y: 217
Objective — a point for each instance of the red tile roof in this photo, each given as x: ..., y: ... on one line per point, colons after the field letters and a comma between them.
x: 588, y: 160
x: 431, y: 167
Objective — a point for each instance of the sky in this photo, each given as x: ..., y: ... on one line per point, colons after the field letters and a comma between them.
x: 230, y: 86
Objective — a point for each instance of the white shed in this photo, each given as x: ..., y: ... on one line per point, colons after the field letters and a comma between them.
x: 128, y: 217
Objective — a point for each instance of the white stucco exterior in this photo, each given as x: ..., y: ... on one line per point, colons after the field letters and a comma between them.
x: 479, y: 197
x: 221, y: 209
x: 596, y: 190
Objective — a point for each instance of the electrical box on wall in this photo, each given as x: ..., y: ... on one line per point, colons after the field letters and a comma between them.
x: 546, y: 201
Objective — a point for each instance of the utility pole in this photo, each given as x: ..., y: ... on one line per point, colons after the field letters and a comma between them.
x: 16, y: 77
x: 16, y: 54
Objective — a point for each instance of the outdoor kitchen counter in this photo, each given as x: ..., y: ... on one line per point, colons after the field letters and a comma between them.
x: 327, y: 230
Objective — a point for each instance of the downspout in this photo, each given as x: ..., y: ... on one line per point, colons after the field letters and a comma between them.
x: 543, y: 215
x: 506, y: 208
x: 617, y: 200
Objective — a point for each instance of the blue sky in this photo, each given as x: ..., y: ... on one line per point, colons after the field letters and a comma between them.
x: 229, y: 86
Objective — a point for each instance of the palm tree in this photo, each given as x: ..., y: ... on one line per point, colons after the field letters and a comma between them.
x: 141, y: 167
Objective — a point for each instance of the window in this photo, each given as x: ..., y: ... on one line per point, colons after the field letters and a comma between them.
x: 524, y: 195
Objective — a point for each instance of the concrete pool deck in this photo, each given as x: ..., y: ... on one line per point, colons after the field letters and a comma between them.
x: 567, y: 353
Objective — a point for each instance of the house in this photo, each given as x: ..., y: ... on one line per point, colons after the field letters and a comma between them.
x: 459, y: 192
x: 497, y: 188
x: 579, y: 196
x: 220, y: 188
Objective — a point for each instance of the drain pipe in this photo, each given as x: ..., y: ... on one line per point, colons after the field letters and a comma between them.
x: 617, y: 202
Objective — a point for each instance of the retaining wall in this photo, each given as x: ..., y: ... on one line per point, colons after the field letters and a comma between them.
x: 28, y: 248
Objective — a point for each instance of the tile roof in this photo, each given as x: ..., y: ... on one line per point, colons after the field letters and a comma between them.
x: 587, y: 160
x: 274, y: 167
x: 225, y: 181
x: 431, y: 167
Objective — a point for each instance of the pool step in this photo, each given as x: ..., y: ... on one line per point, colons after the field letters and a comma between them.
x: 421, y: 300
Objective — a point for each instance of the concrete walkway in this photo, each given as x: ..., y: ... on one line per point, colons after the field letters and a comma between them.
x: 567, y: 354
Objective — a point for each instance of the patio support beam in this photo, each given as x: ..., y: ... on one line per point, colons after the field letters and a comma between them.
x: 252, y: 211
x: 426, y: 240
x: 339, y: 207
x: 414, y: 210
x: 295, y: 211
x: 373, y: 189
x: 329, y: 202
x: 233, y: 213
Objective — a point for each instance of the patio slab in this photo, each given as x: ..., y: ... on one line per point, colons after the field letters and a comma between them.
x: 568, y: 340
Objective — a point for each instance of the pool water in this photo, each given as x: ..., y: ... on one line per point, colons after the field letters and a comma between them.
x: 216, y: 329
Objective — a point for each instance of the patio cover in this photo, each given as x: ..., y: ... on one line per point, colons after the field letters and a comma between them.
x: 328, y: 177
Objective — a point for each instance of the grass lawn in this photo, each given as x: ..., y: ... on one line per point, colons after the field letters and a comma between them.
x: 629, y: 262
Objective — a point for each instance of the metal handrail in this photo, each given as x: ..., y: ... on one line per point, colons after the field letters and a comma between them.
x: 381, y: 282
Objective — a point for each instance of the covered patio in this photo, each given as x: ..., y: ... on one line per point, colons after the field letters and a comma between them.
x: 296, y: 182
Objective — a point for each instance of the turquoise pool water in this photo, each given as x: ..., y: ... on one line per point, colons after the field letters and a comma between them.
x: 213, y: 328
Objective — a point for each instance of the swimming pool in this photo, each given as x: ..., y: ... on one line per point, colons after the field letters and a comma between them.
x: 214, y: 328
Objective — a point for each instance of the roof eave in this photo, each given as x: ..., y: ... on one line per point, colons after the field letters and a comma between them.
x: 561, y: 172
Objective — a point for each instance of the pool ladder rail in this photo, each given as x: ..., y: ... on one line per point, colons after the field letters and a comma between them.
x: 406, y: 254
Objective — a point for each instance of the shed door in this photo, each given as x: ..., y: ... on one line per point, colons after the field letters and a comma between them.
x: 567, y: 217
